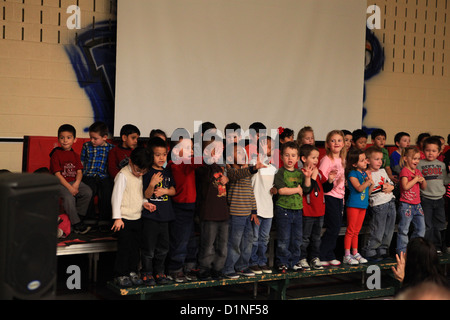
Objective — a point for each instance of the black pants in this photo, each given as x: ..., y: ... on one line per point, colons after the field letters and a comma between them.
x: 128, y: 248
x: 103, y: 189
x: 155, y: 246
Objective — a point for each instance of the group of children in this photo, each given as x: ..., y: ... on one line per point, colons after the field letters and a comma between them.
x: 158, y: 194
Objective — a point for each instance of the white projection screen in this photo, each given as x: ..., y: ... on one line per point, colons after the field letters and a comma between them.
x: 286, y: 63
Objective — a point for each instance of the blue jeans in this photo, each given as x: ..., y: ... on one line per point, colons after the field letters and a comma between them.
x: 261, y: 235
x: 382, y: 224
x: 409, y: 213
x: 181, y: 235
x: 312, y: 228
x: 289, y: 236
x: 240, y: 240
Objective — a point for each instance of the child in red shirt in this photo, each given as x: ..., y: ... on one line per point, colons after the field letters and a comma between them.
x: 66, y: 165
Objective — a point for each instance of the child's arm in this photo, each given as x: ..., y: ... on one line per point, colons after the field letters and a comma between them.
x: 66, y: 184
x: 163, y: 191
x: 406, y: 185
x: 76, y: 184
x: 156, y: 178
x: 360, y: 187
x: 290, y: 191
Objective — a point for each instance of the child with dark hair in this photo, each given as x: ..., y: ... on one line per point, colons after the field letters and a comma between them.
x: 65, y: 164
x: 127, y: 204
x: 313, y: 208
x: 348, y: 138
x: 94, y: 156
x: 419, y: 142
x: 359, y: 139
x: 379, y: 140
x: 159, y: 188
x: 402, y: 140
x: 118, y: 157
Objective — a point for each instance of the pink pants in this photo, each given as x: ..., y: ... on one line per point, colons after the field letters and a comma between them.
x: 355, y: 219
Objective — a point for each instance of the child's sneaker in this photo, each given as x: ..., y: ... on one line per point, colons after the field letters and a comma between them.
x: 316, y: 264
x: 135, y: 280
x: 256, y: 269
x: 305, y: 264
x: 247, y: 272
x: 348, y: 259
x: 359, y: 258
x: 81, y: 228
x: 282, y: 268
x: 178, y: 277
x: 298, y: 266
x: 148, y: 279
x: 232, y: 275
x: 265, y: 269
x: 334, y: 263
x: 161, y: 279
x: 123, y: 281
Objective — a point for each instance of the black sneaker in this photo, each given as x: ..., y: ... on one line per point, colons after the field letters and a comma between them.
x: 148, y: 279
x: 81, y: 228
x: 161, y: 278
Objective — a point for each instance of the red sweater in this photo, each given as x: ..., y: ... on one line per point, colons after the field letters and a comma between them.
x: 314, y: 202
x: 184, y: 176
x: 116, y: 158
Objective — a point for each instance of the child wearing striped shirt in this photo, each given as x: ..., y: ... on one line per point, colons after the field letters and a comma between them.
x: 242, y: 212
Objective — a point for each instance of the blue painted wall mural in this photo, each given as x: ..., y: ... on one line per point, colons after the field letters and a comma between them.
x: 93, y: 57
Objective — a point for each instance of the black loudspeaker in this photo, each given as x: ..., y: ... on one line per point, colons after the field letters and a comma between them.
x: 29, y: 208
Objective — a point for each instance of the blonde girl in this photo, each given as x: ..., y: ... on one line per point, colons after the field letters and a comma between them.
x: 410, y: 208
x: 306, y: 136
x: 333, y: 164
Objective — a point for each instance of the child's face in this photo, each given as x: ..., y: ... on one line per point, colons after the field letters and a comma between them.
x: 431, y: 151
x: 308, y: 138
x: 290, y: 158
x: 137, y: 172
x: 232, y: 137
x: 348, y: 138
x: 239, y: 155
x: 375, y: 160
x: 404, y: 142
x: 96, y: 139
x: 379, y: 141
x: 336, y: 143
x: 361, y: 143
x: 312, y: 159
x: 362, y: 162
x: 159, y: 157
x: 184, y: 148
x: 412, y: 160
x: 66, y: 140
x: 130, y: 141
x: 287, y: 139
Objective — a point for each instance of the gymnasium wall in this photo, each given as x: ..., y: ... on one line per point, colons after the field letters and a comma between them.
x: 46, y: 79
x: 411, y: 92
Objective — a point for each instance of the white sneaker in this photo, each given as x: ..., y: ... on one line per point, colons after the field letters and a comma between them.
x: 335, y: 263
x: 360, y: 258
x: 348, y: 259
x: 316, y: 264
x: 305, y: 264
